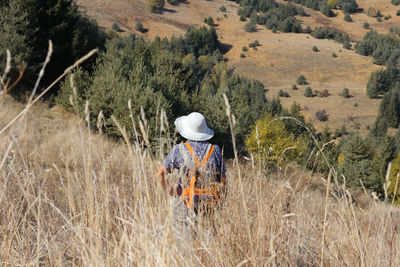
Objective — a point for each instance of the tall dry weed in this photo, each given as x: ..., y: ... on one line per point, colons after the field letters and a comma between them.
x: 71, y: 197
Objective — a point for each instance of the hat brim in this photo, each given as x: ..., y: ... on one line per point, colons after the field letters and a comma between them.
x: 180, y: 124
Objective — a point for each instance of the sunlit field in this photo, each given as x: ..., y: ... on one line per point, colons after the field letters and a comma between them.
x: 71, y: 196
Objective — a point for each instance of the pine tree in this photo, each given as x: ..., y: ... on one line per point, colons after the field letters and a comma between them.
x: 383, y: 155
x: 377, y: 84
x: 356, y: 160
x: 15, y: 33
x: 72, y: 34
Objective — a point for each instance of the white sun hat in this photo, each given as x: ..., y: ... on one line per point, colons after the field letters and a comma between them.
x: 194, y: 127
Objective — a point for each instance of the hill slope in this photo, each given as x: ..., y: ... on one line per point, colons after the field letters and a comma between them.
x: 281, y: 57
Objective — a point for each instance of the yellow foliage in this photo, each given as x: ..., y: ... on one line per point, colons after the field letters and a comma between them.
x: 332, y: 3
x: 204, y: 61
x: 394, y: 171
x: 270, y: 141
x: 340, y: 158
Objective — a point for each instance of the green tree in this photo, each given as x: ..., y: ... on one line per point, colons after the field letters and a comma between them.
x: 250, y: 26
x: 178, y: 75
x: 308, y: 92
x: 346, y: 93
x: 15, y: 33
x: 377, y: 84
x: 139, y: 27
x: 394, y: 174
x: 355, y: 160
x: 156, y: 6
x: 384, y: 153
x: 301, y: 80
x: 73, y: 35
x: 348, y: 18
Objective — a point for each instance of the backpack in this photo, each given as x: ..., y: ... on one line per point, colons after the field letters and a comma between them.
x: 202, y: 188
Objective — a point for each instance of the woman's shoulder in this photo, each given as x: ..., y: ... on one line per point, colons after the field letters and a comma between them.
x: 217, y: 149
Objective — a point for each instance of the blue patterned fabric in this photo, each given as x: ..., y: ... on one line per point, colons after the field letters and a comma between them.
x: 175, y: 160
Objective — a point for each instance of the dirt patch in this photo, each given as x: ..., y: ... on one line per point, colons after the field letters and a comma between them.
x: 173, y: 21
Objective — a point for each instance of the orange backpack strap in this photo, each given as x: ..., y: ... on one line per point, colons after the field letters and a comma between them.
x: 206, y: 158
x: 190, y: 191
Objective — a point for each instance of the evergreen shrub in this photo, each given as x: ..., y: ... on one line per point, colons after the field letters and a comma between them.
x: 321, y: 115
x: 139, y: 27
x: 301, y: 80
x: 166, y: 78
x: 283, y: 93
x: 308, y: 92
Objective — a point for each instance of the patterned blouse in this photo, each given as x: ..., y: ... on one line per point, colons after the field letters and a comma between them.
x: 175, y: 160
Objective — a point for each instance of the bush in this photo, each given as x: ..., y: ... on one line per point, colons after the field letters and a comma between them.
x: 250, y: 26
x: 209, y: 21
x: 321, y: 115
x: 156, y: 6
x: 222, y: 8
x: 347, y: 45
x: 139, y: 27
x: 387, y: 17
x: 325, y: 33
x: 372, y: 12
x: 378, y: 19
x: 308, y: 30
x: 395, y: 2
x: 242, y: 18
x: 315, y: 49
x: 294, y: 87
x: 301, y: 80
x: 348, y: 18
x: 242, y: 55
x: 245, y: 49
x: 308, y: 92
x: 398, y: 12
x: 333, y: 54
x: 116, y: 27
x: 345, y: 93
x: 366, y: 25
x: 268, y: 140
x: 283, y: 93
x: 323, y: 93
x: 254, y: 44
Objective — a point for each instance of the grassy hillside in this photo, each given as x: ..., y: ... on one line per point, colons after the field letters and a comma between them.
x: 71, y: 197
x: 280, y: 59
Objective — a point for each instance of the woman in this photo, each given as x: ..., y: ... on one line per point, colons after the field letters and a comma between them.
x: 201, y: 162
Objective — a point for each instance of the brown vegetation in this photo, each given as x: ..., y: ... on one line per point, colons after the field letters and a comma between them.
x: 69, y: 196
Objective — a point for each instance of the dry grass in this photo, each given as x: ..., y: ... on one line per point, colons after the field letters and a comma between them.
x: 72, y: 197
